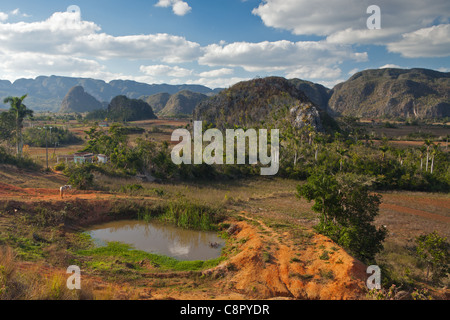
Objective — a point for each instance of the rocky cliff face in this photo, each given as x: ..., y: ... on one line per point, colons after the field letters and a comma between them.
x: 267, y: 102
x: 317, y: 93
x: 77, y: 100
x: 419, y: 93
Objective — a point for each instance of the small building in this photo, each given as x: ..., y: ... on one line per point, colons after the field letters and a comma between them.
x: 83, y: 157
x: 65, y: 158
x: 102, y: 158
x: 104, y: 124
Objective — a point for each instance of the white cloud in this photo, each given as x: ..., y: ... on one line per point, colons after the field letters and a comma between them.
x: 308, y: 58
x: 3, y: 16
x: 16, y: 12
x: 216, y: 73
x: 426, y: 42
x: 331, y: 83
x: 314, y: 72
x: 179, y: 7
x: 66, y: 33
x: 365, y: 36
x: 217, y: 83
x: 164, y: 70
x: 324, y: 17
x: 386, y: 66
x: 33, y: 64
x: 353, y: 71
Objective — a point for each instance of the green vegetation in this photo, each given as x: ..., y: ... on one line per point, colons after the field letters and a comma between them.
x: 124, y: 252
x: 347, y: 211
x: 20, y: 162
x: 19, y: 112
x: 35, y: 137
x: 191, y: 215
x: 434, y: 251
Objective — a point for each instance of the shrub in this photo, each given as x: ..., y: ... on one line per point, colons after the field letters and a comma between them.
x: 347, y: 211
x: 80, y: 176
x: 433, y: 251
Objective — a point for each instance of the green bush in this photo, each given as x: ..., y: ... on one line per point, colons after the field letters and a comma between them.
x: 433, y: 251
x: 80, y: 176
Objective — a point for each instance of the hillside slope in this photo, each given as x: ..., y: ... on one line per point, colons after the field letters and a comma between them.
x: 182, y: 103
x: 122, y: 108
x: 420, y: 93
x: 260, y: 103
x: 77, y: 100
x: 157, y: 101
x: 317, y: 93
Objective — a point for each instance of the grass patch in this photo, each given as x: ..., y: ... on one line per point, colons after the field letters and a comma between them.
x: 324, y: 255
x: 127, y: 254
x: 192, y: 215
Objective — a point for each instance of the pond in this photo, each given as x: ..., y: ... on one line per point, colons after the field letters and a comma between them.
x: 158, y: 238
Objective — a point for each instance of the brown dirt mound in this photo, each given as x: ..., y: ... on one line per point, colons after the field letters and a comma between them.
x: 286, y: 270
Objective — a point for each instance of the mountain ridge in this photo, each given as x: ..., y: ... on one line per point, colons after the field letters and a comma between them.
x: 46, y: 93
x: 372, y: 93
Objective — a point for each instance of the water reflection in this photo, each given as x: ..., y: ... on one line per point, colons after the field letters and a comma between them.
x: 159, y: 238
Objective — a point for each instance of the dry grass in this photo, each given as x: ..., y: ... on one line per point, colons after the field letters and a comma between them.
x: 17, y: 284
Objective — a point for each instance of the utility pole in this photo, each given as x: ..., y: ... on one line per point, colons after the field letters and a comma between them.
x: 46, y: 142
x: 46, y: 147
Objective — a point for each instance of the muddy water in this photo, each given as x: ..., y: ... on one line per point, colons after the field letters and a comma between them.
x: 159, y: 238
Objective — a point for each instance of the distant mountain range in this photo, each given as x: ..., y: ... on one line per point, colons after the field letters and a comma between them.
x: 47, y: 93
x: 376, y: 93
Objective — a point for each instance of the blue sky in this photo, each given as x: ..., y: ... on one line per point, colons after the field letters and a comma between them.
x: 219, y: 42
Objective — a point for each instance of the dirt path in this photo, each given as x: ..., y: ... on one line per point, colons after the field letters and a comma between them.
x: 415, y: 212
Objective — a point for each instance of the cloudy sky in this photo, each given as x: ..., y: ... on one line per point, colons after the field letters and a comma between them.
x: 219, y: 42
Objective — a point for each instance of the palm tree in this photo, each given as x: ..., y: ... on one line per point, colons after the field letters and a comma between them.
x: 20, y: 112
x: 401, y: 155
x: 433, y: 154
x: 422, y: 150
x: 428, y: 144
x: 342, y: 152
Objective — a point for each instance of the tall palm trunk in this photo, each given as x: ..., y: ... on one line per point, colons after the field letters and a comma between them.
x: 432, y: 164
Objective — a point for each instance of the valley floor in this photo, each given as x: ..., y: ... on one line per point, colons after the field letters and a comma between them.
x: 273, y: 254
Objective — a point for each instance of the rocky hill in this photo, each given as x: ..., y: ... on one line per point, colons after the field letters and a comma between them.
x: 47, y: 93
x: 261, y: 102
x: 157, y: 101
x: 122, y: 108
x: 317, y: 93
x: 77, y: 100
x: 182, y: 103
x: 419, y: 93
